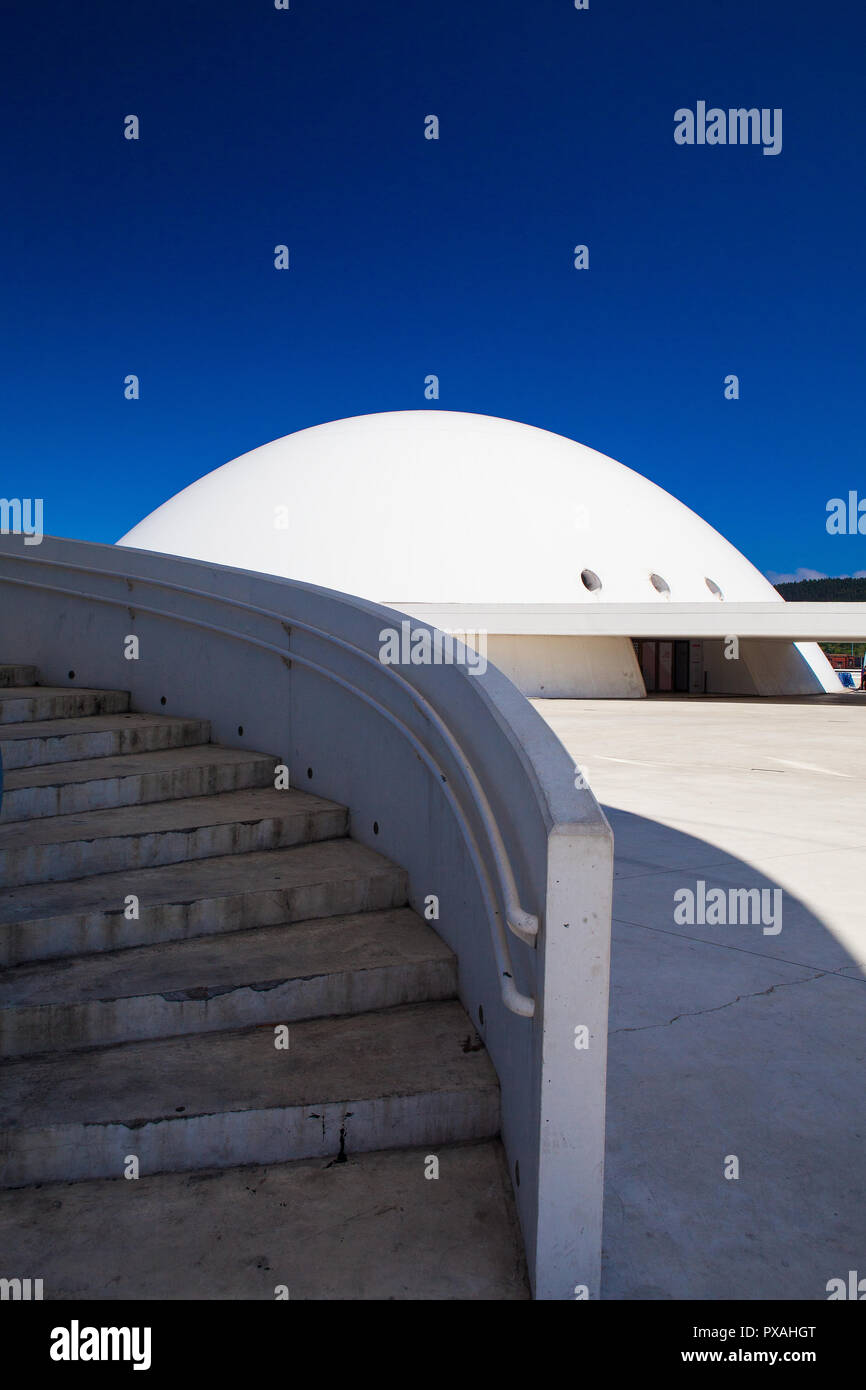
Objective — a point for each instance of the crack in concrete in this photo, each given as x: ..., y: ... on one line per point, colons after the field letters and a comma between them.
x: 696, y: 1013
x: 742, y: 950
x: 203, y: 993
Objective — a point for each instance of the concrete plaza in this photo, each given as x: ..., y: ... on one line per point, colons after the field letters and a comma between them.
x: 728, y: 1040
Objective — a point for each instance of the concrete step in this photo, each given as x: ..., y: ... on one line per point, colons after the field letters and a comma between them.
x: 60, y: 789
x: 100, y: 736
x: 335, y: 965
x: 13, y: 673
x: 41, y: 702
x: 60, y: 848
x: 240, y: 1233
x: 224, y: 894
x: 390, y: 1079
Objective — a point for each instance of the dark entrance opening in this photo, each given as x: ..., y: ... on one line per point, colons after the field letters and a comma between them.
x: 664, y: 665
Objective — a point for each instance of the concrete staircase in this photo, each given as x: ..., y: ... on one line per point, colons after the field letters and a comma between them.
x: 166, y: 919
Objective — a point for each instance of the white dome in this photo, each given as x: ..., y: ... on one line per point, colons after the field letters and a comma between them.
x: 436, y: 506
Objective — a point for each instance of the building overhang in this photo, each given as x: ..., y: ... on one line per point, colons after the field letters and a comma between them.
x: 792, y: 622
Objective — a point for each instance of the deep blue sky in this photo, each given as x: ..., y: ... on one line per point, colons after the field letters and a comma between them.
x: 412, y: 256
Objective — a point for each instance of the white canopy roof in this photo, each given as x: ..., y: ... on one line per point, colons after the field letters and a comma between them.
x: 436, y: 506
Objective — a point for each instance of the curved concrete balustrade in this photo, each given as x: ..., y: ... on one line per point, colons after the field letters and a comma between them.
x: 448, y: 772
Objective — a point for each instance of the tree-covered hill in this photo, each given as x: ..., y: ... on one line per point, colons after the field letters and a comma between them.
x: 824, y: 591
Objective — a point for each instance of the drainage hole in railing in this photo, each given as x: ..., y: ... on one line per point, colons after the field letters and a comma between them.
x: 517, y: 1171
x: 309, y: 772
x: 481, y: 1014
x: 241, y: 730
x: 162, y: 699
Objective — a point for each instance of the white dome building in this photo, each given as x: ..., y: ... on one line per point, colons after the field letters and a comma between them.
x: 585, y: 577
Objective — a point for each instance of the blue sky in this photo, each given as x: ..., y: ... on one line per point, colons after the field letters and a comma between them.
x: 412, y: 256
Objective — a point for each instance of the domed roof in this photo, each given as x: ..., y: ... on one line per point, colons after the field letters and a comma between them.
x: 437, y: 506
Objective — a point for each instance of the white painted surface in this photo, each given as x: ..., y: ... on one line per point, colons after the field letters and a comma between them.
x: 768, y: 667
x: 422, y: 506
x: 441, y: 507
x: 773, y: 620
x: 62, y: 618
x: 555, y: 668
